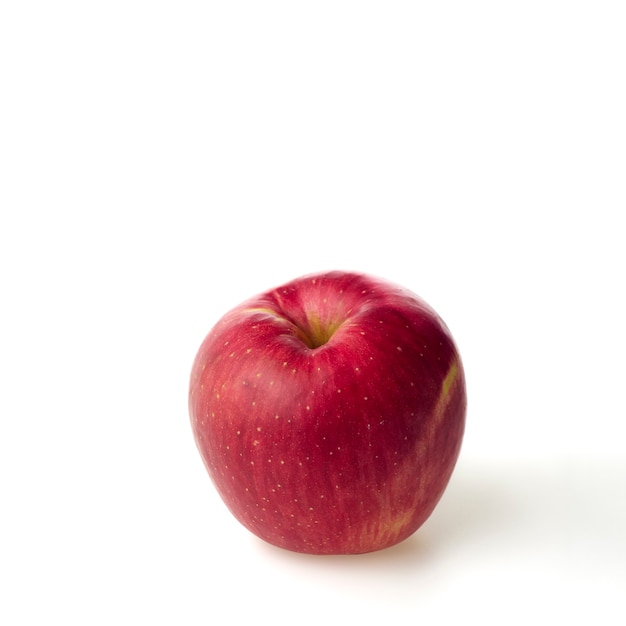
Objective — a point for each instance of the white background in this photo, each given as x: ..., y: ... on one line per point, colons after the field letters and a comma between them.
x: 162, y: 161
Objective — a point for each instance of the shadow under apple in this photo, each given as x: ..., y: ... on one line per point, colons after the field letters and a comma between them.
x: 473, y: 508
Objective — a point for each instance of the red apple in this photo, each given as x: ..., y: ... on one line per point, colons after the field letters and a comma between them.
x: 329, y: 412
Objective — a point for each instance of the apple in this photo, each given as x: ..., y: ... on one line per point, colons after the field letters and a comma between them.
x: 329, y: 412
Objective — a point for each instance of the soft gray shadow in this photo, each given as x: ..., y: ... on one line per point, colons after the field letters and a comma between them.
x: 478, y: 503
x: 475, y: 505
x: 412, y: 553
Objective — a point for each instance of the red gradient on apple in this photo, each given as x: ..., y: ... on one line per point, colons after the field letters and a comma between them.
x: 329, y: 412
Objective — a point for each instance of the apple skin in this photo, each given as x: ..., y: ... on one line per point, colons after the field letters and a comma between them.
x: 329, y: 412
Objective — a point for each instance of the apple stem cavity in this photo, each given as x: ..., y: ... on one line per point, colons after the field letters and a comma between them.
x: 317, y: 333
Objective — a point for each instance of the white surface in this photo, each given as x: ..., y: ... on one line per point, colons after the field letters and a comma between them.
x: 160, y: 162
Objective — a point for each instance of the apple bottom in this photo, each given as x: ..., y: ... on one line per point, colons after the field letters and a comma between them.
x: 343, y: 489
